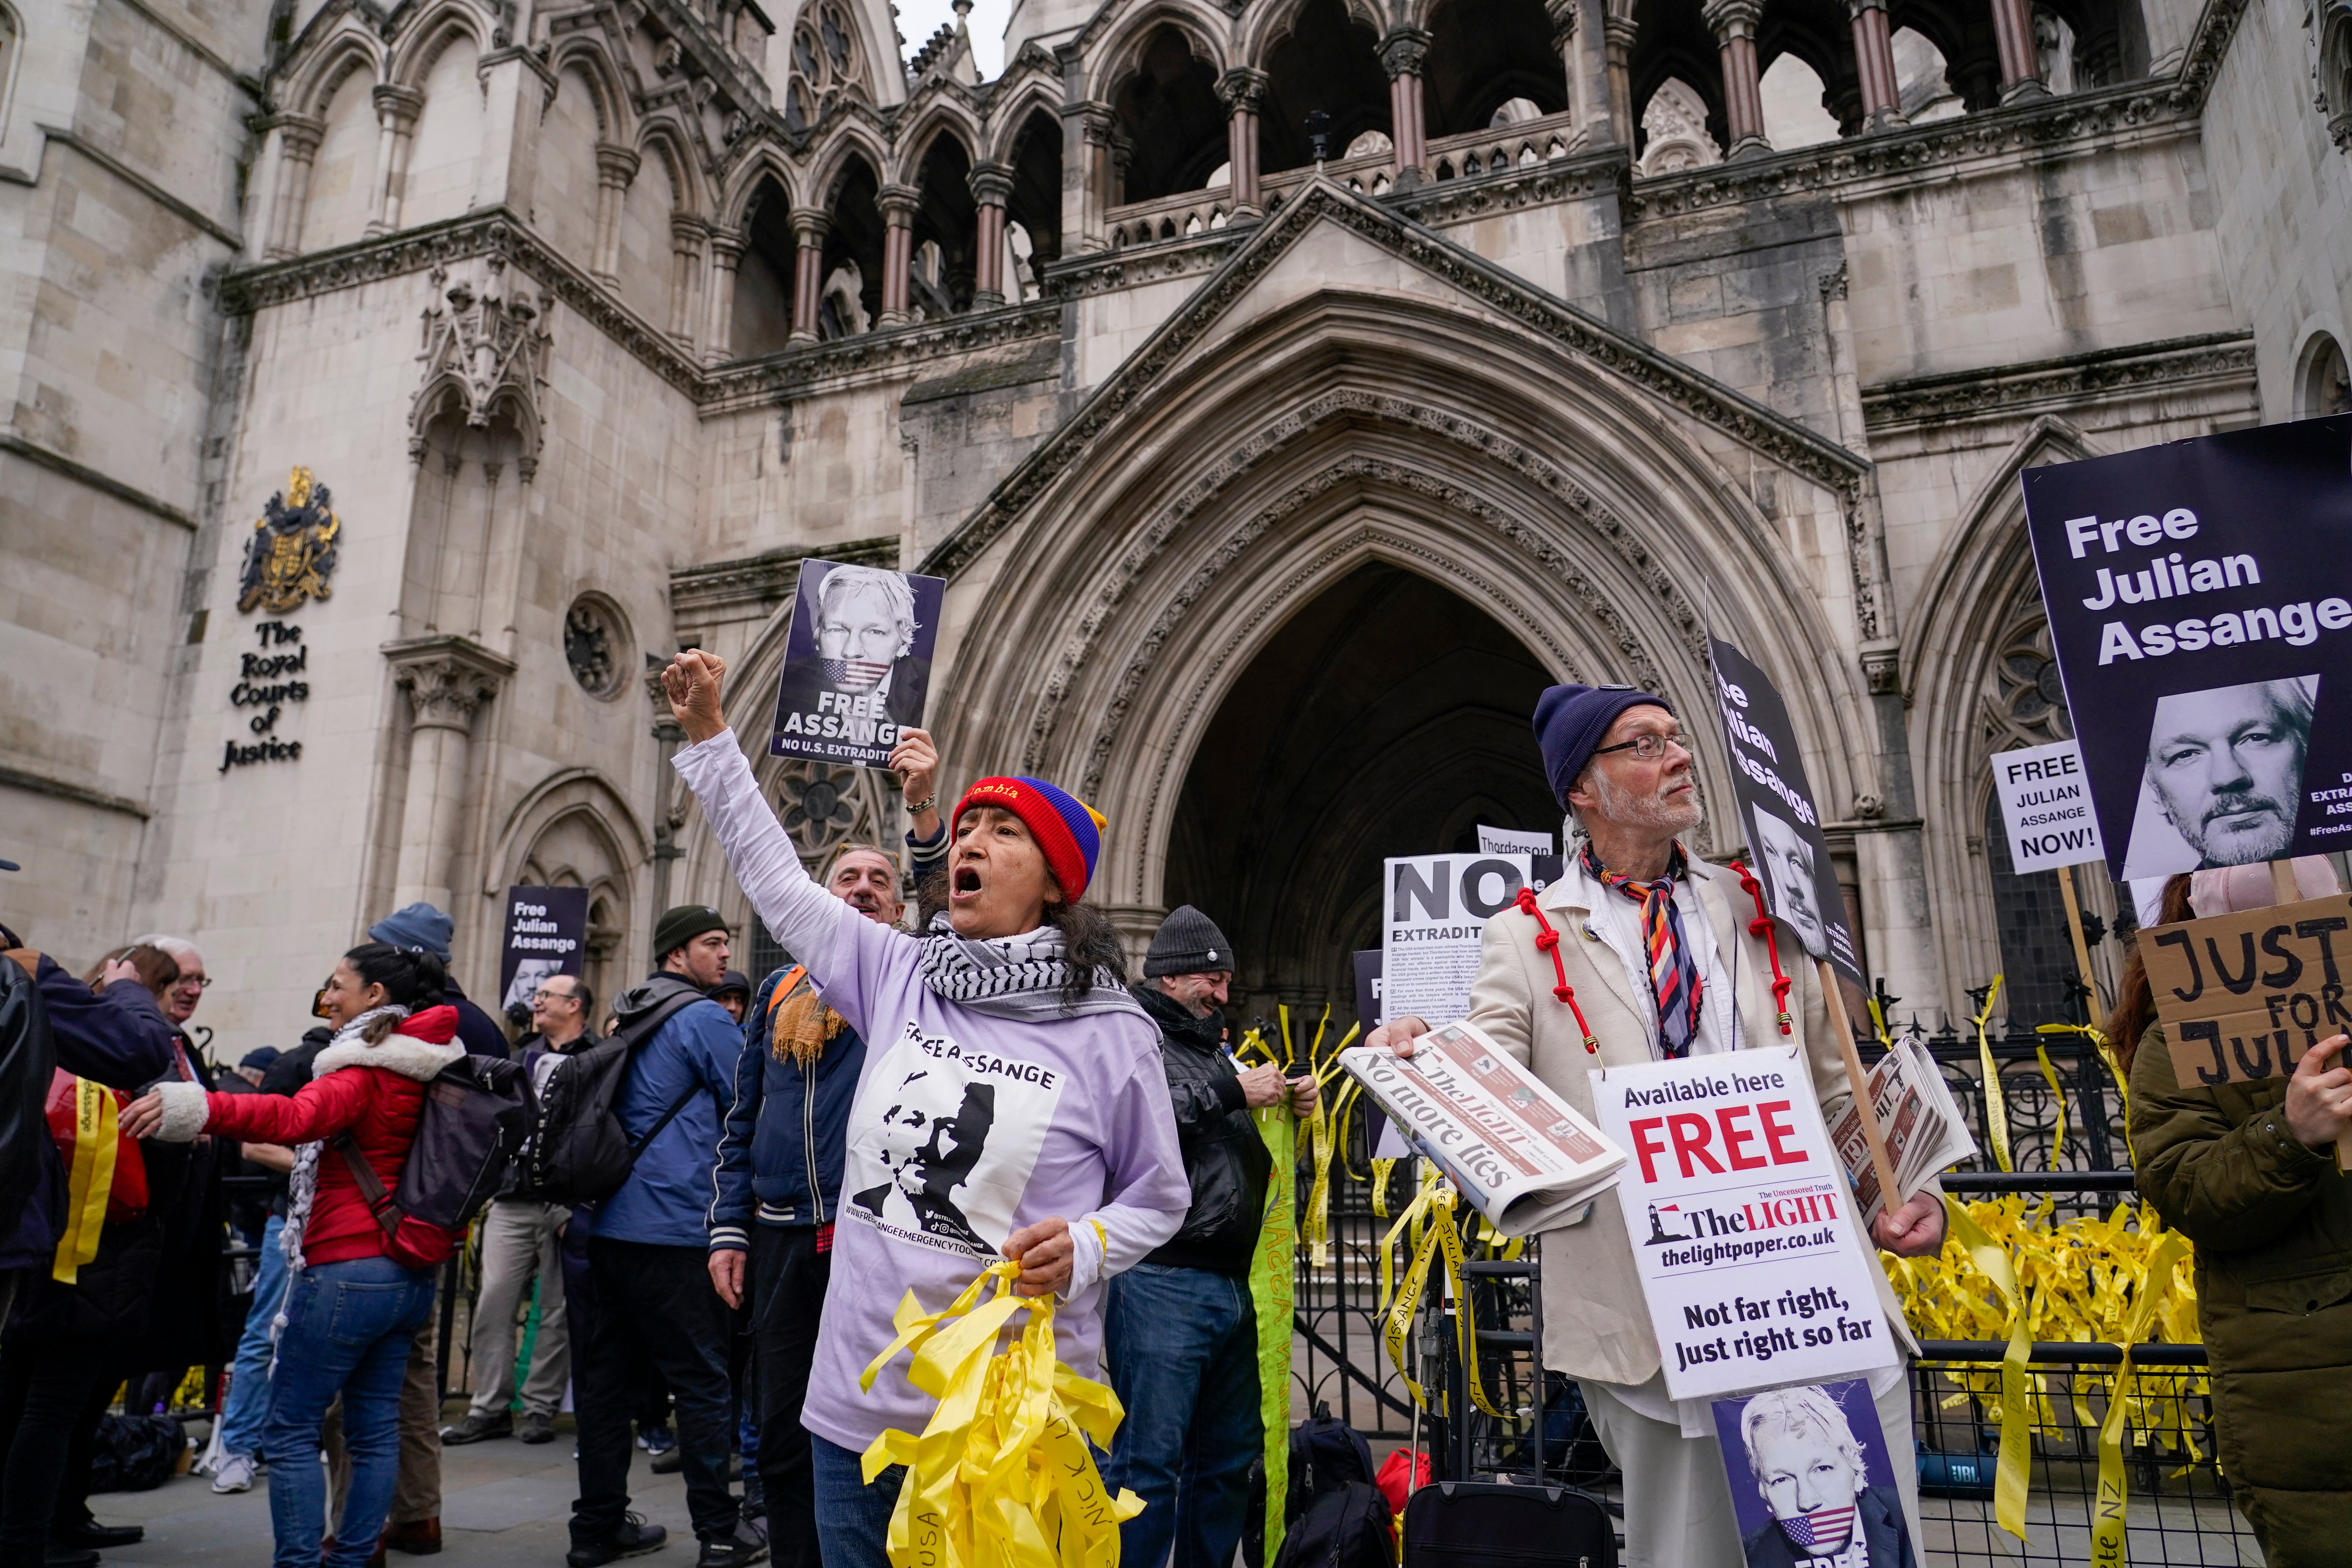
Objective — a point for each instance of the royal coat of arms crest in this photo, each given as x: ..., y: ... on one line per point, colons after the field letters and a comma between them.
x: 291, y: 552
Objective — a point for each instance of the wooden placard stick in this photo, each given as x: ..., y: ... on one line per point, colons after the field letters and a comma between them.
x: 2282, y: 886
x: 1875, y: 1135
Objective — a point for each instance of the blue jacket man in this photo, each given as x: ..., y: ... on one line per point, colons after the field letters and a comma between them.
x: 778, y: 1181
x: 652, y: 1292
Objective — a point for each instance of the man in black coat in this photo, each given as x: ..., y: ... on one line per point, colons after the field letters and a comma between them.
x: 1180, y: 1331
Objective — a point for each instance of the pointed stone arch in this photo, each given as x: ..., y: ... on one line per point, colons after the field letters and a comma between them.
x: 1132, y: 588
x: 1120, y: 48
x: 420, y: 43
x: 345, y: 50
x: 1979, y: 606
x: 941, y: 114
x: 591, y: 56
x: 664, y: 136
x: 743, y: 184
x: 1032, y: 91
x: 574, y: 828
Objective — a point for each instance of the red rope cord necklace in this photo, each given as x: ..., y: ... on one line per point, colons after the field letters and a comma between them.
x: 1763, y: 926
x: 1547, y: 940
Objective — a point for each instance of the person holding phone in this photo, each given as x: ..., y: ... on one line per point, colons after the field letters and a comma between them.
x: 1180, y: 1330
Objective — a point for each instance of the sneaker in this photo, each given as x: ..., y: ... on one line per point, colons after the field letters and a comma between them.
x: 668, y: 1460
x: 538, y: 1429
x: 655, y: 1439
x: 755, y: 1495
x: 479, y: 1425
x: 744, y: 1543
x: 235, y: 1475
x: 633, y: 1539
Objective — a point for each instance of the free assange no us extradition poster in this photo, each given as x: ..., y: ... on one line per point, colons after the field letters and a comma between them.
x: 2199, y: 596
x: 857, y: 662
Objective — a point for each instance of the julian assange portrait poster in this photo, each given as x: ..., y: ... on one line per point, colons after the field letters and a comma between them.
x: 857, y: 662
x: 2199, y: 596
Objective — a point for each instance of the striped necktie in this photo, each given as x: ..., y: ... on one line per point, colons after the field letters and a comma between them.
x: 1674, y: 974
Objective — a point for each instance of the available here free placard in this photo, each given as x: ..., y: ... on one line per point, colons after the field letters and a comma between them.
x: 1741, y: 1222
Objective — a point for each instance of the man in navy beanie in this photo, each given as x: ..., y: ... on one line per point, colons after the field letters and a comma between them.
x: 422, y: 926
x: 1656, y: 959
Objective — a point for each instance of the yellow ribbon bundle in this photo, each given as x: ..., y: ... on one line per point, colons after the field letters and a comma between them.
x: 89, y: 1183
x: 1001, y: 1477
x: 2004, y: 1275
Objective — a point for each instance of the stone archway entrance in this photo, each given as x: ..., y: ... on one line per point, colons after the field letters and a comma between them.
x: 1388, y: 716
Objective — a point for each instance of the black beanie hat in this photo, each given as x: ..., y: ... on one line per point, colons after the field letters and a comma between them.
x: 1188, y: 942
x: 681, y: 925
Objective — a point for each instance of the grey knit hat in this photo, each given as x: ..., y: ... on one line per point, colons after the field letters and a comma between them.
x: 1188, y: 942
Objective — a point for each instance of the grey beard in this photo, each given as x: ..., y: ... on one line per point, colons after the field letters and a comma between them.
x: 1620, y: 804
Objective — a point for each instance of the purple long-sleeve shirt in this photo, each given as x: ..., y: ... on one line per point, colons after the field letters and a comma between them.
x: 966, y: 1127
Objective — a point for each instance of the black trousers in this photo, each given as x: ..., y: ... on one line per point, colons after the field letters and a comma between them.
x: 46, y: 1391
x: 655, y: 1302
x: 787, y: 1296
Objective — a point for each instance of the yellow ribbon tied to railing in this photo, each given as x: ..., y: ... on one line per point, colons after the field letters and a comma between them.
x: 2109, y: 1516
x: 1996, y: 1107
x: 91, y: 1182
x: 1001, y: 1476
x: 2106, y: 1050
x: 2011, y: 1473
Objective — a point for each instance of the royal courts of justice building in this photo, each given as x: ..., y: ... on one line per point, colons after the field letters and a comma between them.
x: 1287, y: 389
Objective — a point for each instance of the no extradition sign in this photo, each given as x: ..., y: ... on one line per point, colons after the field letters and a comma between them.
x: 1436, y: 913
x: 1739, y: 1220
x: 2045, y: 803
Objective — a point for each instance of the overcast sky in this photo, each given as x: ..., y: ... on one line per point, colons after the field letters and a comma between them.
x: 919, y: 19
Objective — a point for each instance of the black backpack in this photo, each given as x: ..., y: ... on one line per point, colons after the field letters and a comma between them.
x: 476, y: 1113
x: 1350, y: 1528
x: 1326, y: 1454
x: 578, y: 1153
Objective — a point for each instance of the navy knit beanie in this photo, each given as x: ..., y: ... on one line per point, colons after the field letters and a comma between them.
x: 417, y: 926
x: 1570, y: 722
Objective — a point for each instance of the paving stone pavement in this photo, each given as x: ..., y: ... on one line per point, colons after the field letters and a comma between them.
x: 503, y: 1505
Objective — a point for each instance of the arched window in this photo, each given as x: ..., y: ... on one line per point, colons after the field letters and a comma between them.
x: 1795, y: 112
x: 2324, y: 386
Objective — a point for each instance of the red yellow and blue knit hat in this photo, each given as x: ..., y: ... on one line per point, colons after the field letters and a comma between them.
x: 1066, y: 829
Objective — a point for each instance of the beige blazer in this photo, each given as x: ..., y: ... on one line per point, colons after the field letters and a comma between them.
x: 1595, y: 1322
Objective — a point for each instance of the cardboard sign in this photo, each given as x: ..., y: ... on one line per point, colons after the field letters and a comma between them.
x: 1435, y: 908
x: 857, y: 662
x: 547, y: 933
x: 2199, y: 595
x: 1783, y: 822
x: 2242, y: 996
x: 2045, y: 805
x: 1741, y: 1221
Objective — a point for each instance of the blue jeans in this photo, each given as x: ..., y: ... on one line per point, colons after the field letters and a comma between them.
x: 348, y: 1331
x: 248, y: 1382
x: 1183, y: 1349
x: 853, y: 1520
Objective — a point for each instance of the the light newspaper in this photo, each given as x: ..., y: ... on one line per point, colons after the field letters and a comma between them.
x: 1926, y: 1132
x: 1519, y: 1154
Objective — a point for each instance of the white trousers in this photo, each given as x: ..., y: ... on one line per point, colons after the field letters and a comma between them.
x: 1677, y: 1501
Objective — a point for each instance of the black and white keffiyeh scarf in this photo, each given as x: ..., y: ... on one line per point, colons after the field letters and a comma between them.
x: 1020, y: 978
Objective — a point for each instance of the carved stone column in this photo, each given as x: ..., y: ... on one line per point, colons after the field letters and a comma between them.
x: 1618, y: 32
x: 1874, y: 56
x: 1244, y: 91
x: 726, y: 255
x: 617, y: 169
x: 808, y: 229
x: 897, y: 203
x: 686, y: 233
x: 1402, y: 53
x: 2020, y: 64
x: 1587, y: 87
x: 298, y: 144
x: 446, y: 680
x: 396, y: 108
x: 1733, y: 23
x: 991, y: 186
x: 1097, y: 195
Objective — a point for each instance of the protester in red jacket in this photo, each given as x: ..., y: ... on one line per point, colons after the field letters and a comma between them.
x: 355, y: 1296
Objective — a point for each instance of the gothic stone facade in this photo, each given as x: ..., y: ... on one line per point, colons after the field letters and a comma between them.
x: 1497, y: 328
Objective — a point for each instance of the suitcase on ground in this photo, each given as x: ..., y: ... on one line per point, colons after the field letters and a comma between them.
x: 1461, y: 1525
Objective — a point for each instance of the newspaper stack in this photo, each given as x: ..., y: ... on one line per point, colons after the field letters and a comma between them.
x: 1519, y: 1154
x: 1926, y: 1132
